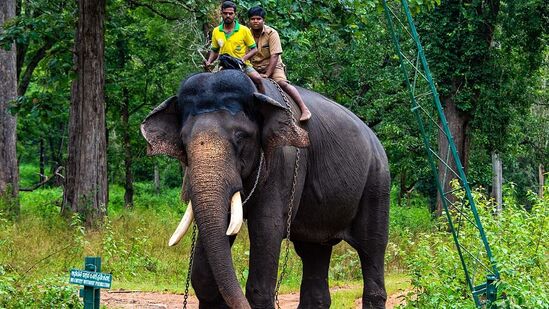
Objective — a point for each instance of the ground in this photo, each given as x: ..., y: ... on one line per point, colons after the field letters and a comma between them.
x: 146, y: 300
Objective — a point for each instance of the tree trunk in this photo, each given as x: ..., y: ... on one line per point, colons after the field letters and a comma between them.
x: 497, y: 181
x: 9, y: 174
x: 156, y: 179
x: 541, y: 180
x: 86, y: 190
x: 128, y: 195
x: 458, y: 125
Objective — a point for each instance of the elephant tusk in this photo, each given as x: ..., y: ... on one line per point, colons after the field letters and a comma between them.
x: 236, y: 215
x: 183, y: 226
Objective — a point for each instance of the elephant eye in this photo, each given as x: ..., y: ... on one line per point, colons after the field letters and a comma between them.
x: 240, y: 135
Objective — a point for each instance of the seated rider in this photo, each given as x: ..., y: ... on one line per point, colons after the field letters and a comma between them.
x: 268, y: 61
x: 234, y: 39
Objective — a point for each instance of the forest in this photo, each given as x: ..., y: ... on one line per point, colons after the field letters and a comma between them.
x: 79, y: 77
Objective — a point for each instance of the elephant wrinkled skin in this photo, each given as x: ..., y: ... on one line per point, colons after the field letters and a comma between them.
x: 218, y: 126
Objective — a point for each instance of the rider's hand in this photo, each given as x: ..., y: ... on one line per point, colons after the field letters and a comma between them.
x: 207, y: 65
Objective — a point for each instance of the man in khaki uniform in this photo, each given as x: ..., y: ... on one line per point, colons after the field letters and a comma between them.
x: 268, y: 61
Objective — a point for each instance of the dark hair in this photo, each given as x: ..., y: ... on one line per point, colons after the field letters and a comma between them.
x: 256, y: 11
x: 228, y: 4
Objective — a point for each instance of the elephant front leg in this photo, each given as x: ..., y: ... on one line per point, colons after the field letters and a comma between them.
x: 265, y: 239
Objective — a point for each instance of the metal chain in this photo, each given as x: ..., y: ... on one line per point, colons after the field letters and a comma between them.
x: 256, y: 179
x: 291, y: 202
x: 284, y: 97
x: 188, y: 280
x: 288, y: 226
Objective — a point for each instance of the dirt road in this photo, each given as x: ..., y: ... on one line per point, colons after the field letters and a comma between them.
x: 147, y: 300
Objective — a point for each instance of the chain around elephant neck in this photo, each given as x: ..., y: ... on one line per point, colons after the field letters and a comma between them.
x: 290, y: 203
x: 284, y: 97
x: 256, y: 179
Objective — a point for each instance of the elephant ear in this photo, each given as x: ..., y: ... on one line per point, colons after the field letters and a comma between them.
x: 161, y: 130
x: 279, y: 127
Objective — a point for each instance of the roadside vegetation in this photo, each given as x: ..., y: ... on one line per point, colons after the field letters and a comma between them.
x: 489, y: 61
x: 40, y: 247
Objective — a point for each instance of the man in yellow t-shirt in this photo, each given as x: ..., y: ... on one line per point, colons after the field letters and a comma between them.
x: 268, y: 61
x: 235, y: 40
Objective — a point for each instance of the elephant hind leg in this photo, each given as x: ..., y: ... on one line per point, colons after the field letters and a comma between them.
x: 369, y: 236
x: 314, y: 292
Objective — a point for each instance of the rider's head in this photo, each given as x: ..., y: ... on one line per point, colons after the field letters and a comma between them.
x: 257, y: 17
x: 228, y: 11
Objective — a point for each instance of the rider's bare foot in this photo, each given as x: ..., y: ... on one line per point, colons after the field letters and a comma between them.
x: 305, y: 115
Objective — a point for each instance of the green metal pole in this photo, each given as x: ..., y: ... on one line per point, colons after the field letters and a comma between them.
x: 444, y: 123
x: 490, y: 284
x: 90, y: 294
x: 489, y: 288
x: 425, y: 140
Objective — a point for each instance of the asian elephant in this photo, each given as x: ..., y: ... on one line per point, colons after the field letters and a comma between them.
x: 221, y: 128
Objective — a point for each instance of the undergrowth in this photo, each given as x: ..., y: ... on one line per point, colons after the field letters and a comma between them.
x: 40, y: 247
x: 518, y: 239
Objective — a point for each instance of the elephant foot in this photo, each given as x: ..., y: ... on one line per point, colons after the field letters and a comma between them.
x: 373, y: 301
x: 212, y: 305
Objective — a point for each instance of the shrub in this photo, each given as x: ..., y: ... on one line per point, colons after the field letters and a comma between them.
x: 518, y: 241
x: 45, y: 293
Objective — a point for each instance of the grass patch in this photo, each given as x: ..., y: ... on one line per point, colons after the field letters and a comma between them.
x: 347, y: 296
x: 42, y: 246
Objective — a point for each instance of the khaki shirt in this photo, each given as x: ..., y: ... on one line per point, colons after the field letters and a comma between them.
x: 268, y: 44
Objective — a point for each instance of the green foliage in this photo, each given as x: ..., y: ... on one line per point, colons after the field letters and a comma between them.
x: 45, y: 293
x: 43, y: 32
x: 486, y: 57
x: 34, y: 276
x: 406, y: 225
x: 519, y: 244
x: 9, y: 204
x: 150, y: 46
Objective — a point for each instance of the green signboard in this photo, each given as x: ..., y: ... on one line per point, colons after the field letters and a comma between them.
x: 91, y: 278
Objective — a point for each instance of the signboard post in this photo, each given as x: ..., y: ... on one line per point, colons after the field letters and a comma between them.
x: 92, y: 279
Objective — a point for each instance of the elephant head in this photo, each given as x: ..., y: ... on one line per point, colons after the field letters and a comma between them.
x: 217, y: 126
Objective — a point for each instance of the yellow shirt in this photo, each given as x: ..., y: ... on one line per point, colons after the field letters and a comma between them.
x: 234, y: 43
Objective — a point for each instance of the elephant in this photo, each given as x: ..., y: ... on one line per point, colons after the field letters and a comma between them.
x: 330, y: 175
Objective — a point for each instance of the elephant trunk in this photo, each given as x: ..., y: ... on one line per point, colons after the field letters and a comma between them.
x: 212, y: 183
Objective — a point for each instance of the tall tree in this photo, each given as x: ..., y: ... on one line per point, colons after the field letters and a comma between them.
x: 9, y: 175
x: 464, y: 41
x: 483, y: 54
x: 43, y: 31
x: 86, y: 190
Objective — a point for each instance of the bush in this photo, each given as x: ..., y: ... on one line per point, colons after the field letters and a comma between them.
x: 46, y: 293
x: 518, y: 241
x: 405, y: 226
